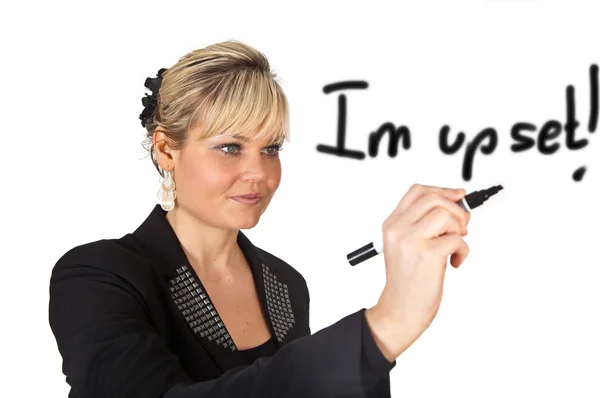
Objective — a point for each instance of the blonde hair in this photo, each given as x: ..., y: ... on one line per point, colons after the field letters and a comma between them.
x: 226, y: 88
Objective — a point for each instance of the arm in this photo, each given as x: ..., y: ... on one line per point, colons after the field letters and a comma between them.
x: 109, y: 349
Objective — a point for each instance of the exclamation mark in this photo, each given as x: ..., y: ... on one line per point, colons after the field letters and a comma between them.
x: 593, y: 120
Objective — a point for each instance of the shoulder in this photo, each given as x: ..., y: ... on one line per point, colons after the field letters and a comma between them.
x: 102, y: 253
x: 118, y: 259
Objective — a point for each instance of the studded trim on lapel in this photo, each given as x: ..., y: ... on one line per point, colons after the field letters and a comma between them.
x: 194, y: 304
x: 279, y: 305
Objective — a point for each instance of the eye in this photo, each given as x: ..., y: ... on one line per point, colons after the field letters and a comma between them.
x: 277, y: 149
x: 230, y: 145
x: 272, y: 151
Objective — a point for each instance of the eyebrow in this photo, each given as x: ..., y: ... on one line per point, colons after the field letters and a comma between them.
x: 245, y: 139
x: 241, y: 137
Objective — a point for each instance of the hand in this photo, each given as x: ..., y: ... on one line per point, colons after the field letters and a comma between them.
x: 418, y: 236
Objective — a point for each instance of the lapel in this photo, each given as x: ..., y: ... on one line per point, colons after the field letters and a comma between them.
x: 157, y: 237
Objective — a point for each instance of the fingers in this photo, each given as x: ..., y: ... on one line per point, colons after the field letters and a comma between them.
x: 418, y: 190
x: 450, y: 244
x: 437, y: 222
x: 429, y: 213
x: 422, y: 199
x: 431, y: 200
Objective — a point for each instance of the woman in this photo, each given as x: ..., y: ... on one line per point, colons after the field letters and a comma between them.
x: 187, y: 306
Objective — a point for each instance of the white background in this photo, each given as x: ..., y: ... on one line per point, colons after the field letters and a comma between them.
x: 520, y: 318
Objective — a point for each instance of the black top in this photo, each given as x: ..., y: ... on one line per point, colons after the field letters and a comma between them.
x: 132, y: 319
x: 267, y: 349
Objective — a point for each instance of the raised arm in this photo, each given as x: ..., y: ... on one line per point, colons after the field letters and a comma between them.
x: 110, y: 349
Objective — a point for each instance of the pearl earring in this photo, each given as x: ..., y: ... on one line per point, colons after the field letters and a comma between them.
x: 166, y: 192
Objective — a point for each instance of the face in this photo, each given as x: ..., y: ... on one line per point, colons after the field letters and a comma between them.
x: 209, y: 173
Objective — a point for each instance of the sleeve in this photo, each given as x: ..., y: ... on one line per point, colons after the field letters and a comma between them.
x: 110, y: 349
x: 375, y: 367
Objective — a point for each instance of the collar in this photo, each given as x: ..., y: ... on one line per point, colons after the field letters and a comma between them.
x: 158, y: 239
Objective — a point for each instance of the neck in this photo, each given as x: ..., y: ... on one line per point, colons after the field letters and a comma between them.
x: 212, y: 251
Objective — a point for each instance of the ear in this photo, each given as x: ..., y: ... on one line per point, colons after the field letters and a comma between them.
x: 162, y: 150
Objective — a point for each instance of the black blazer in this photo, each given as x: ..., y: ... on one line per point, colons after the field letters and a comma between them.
x: 132, y: 319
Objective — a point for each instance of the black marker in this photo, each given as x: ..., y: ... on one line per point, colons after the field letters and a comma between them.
x: 468, y: 203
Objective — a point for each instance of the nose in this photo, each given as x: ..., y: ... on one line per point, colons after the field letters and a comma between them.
x: 253, y: 168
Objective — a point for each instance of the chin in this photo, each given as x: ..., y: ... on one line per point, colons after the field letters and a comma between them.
x: 249, y: 224
x: 247, y: 218
x: 244, y: 221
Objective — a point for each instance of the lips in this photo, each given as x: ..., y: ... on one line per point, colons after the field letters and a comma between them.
x: 249, y: 201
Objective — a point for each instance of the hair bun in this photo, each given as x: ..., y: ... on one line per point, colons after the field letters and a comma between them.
x: 150, y: 100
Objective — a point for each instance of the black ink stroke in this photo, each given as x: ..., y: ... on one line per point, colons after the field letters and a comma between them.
x: 523, y: 133
x: 340, y: 148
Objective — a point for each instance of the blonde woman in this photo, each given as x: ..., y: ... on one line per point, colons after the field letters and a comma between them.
x: 187, y: 306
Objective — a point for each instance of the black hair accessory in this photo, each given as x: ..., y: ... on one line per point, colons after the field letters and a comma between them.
x: 150, y: 101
